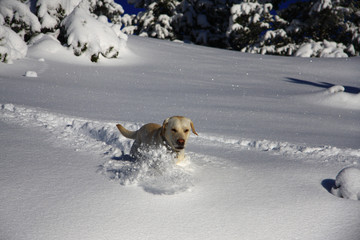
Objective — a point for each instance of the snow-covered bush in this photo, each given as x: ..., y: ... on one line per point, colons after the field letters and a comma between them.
x: 52, y: 12
x: 93, y: 36
x: 91, y: 26
x: 19, y: 18
x: 11, y: 45
x: 347, y: 184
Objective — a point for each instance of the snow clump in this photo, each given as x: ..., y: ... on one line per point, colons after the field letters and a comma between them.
x: 154, y: 170
x: 322, y: 49
x: 347, y: 184
x: 31, y: 74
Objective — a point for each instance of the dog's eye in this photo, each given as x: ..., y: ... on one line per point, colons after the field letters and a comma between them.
x: 174, y: 130
x: 186, y: 130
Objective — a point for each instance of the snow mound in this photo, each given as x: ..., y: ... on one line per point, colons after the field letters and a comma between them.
x: 155, y: 171
x: 347, y: 184
x: 94, y: 37
x: 46, y: 46
x: 12, y: 46
x: 44, y: 43
x: 337, y: 97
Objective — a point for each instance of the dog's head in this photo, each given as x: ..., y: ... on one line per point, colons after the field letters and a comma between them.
x: 176, y: 131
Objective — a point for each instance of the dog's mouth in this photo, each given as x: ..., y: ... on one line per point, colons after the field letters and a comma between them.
x: 179, y: 147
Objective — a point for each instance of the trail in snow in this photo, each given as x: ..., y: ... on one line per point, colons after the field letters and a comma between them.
x: 156, y: 172
x: 296, y: 151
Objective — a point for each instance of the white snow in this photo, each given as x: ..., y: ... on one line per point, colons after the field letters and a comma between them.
x: 347, y: 184
x: 273, y: 134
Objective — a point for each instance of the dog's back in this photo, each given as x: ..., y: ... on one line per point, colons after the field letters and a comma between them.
x: 147, y: 134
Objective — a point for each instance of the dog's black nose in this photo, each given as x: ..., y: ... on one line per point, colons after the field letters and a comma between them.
x: 180, y: 142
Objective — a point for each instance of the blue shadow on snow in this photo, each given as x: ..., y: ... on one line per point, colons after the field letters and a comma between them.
x: 326, y: 85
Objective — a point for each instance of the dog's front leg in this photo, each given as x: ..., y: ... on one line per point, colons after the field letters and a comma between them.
x: 180, y: 156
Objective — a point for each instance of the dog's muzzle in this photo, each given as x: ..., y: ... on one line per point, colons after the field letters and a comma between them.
x: 180, y: 144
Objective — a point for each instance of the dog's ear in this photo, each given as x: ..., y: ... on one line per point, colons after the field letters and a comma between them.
x: 192, y: 128
x: 165, y: 123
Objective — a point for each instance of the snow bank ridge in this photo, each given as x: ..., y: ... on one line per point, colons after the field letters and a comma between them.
x: 322, y: 153
x: 83, y: 134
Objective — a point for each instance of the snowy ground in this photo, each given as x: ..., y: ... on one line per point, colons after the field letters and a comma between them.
x: 273, y: 134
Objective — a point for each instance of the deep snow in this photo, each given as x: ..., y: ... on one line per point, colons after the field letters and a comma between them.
x: 273, y: 134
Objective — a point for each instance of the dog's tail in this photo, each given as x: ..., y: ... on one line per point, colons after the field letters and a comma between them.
x: 126, y: 133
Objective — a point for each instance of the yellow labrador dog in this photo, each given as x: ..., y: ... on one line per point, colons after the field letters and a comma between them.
x: 173, y: 134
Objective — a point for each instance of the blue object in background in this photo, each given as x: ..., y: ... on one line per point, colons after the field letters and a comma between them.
x: 128, y: 8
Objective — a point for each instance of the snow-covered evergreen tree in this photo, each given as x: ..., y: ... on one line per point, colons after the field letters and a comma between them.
x: 323, y: 22
x: 12, y: 46
x: 17, y: 15
x: 156, y: 20
x: 203, y: 21
x: 51, y: 13
x: 129, y: 24
x: 17, y: 25
x: 86, y: 26
x: 88, y: 34
x: 320, y: 28
x: 248, y: 22
x: 108, y: 8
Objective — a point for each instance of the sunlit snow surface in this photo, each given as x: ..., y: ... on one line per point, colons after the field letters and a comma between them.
x: 274, y: 132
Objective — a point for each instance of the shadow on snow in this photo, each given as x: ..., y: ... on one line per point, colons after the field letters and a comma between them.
x: 325, y: 85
